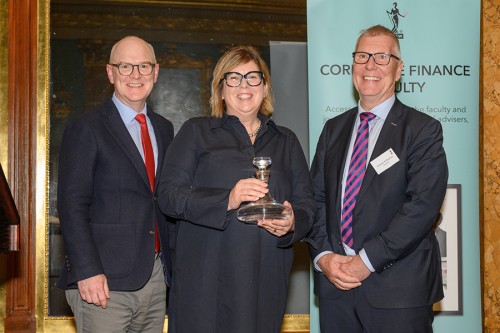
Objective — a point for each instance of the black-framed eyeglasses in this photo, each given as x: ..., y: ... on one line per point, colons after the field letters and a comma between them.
x: 233, y: 79
x: 380, y: 58
x: 126, y: 69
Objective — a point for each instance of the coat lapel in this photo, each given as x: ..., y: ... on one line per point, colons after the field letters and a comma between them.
x: 117, y: 129
x: 384, y: 142
x: 336, y: 156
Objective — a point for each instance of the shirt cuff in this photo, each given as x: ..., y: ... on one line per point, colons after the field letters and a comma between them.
x: 315, y: 261
x: 366, y: 261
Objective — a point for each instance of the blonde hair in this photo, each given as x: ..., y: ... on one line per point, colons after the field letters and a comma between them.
x: 380, y: 30
x: 235, y: 56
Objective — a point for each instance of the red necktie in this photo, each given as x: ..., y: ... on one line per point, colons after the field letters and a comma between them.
x: 357, y: 168
x: 149, y: 160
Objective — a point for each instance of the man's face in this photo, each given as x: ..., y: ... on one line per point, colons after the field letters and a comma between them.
x: 375, y: 83
x: 133, y: 89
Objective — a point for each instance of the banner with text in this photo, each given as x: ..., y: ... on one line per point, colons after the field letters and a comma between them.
x: 440, y: 49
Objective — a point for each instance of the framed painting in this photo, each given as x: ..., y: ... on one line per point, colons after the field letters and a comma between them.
x: 188, y: 39
x: 448, y: 231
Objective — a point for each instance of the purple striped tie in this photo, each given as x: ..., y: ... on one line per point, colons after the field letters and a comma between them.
x: 357, y: 168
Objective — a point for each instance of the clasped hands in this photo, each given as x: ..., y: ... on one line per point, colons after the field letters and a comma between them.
x: 344, y: 272
x: 252, y: 189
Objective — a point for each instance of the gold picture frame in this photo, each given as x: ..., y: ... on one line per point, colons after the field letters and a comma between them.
x: 293, y: 323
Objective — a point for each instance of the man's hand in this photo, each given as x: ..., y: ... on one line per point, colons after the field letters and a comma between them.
x: 94, y: 290
x: 332, y: 266
x: 356, y: 268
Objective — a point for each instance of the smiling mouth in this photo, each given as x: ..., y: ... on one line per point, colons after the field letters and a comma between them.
x: 371, y: 78
x: 135, y: 85
x: 244, y: 96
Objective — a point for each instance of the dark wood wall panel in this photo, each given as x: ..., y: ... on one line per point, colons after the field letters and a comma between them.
x: 22, y: 43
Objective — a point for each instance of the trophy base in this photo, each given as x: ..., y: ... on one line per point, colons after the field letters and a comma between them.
x: 255, y: 211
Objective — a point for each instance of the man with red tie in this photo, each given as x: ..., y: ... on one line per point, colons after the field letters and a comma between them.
x: 380, y: 176
x: 117, y: 261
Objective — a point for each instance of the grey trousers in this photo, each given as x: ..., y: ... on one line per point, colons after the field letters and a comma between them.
x: 142, y: 310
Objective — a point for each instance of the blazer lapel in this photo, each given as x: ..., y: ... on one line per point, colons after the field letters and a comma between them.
x: 337, y: 155
x: 117, y: 129
x: 384, y: 142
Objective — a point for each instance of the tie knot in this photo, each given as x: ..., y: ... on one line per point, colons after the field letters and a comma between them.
x: 366, y: 116
x: 141, y: 118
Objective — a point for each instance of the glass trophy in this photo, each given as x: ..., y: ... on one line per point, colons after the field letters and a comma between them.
x: 266, y: 208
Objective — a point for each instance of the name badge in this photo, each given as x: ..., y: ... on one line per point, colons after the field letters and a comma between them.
x: 384, y: 161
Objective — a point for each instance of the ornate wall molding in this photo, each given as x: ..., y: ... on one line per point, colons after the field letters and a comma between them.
x: 198, y: 24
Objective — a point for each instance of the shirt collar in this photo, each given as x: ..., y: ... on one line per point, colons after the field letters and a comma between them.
x: 126, y: 112
x: 266, y: 121
x: 381, y: 110
x: 218, y: 122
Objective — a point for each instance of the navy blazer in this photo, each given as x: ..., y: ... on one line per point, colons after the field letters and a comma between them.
x: 395, y: 210
x: 105, y: 204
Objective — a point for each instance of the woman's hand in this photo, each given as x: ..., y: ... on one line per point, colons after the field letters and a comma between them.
x: 279, y: 227
x: 250, y: 189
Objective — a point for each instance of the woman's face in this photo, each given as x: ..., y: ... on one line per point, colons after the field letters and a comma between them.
x: 244, y: 101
